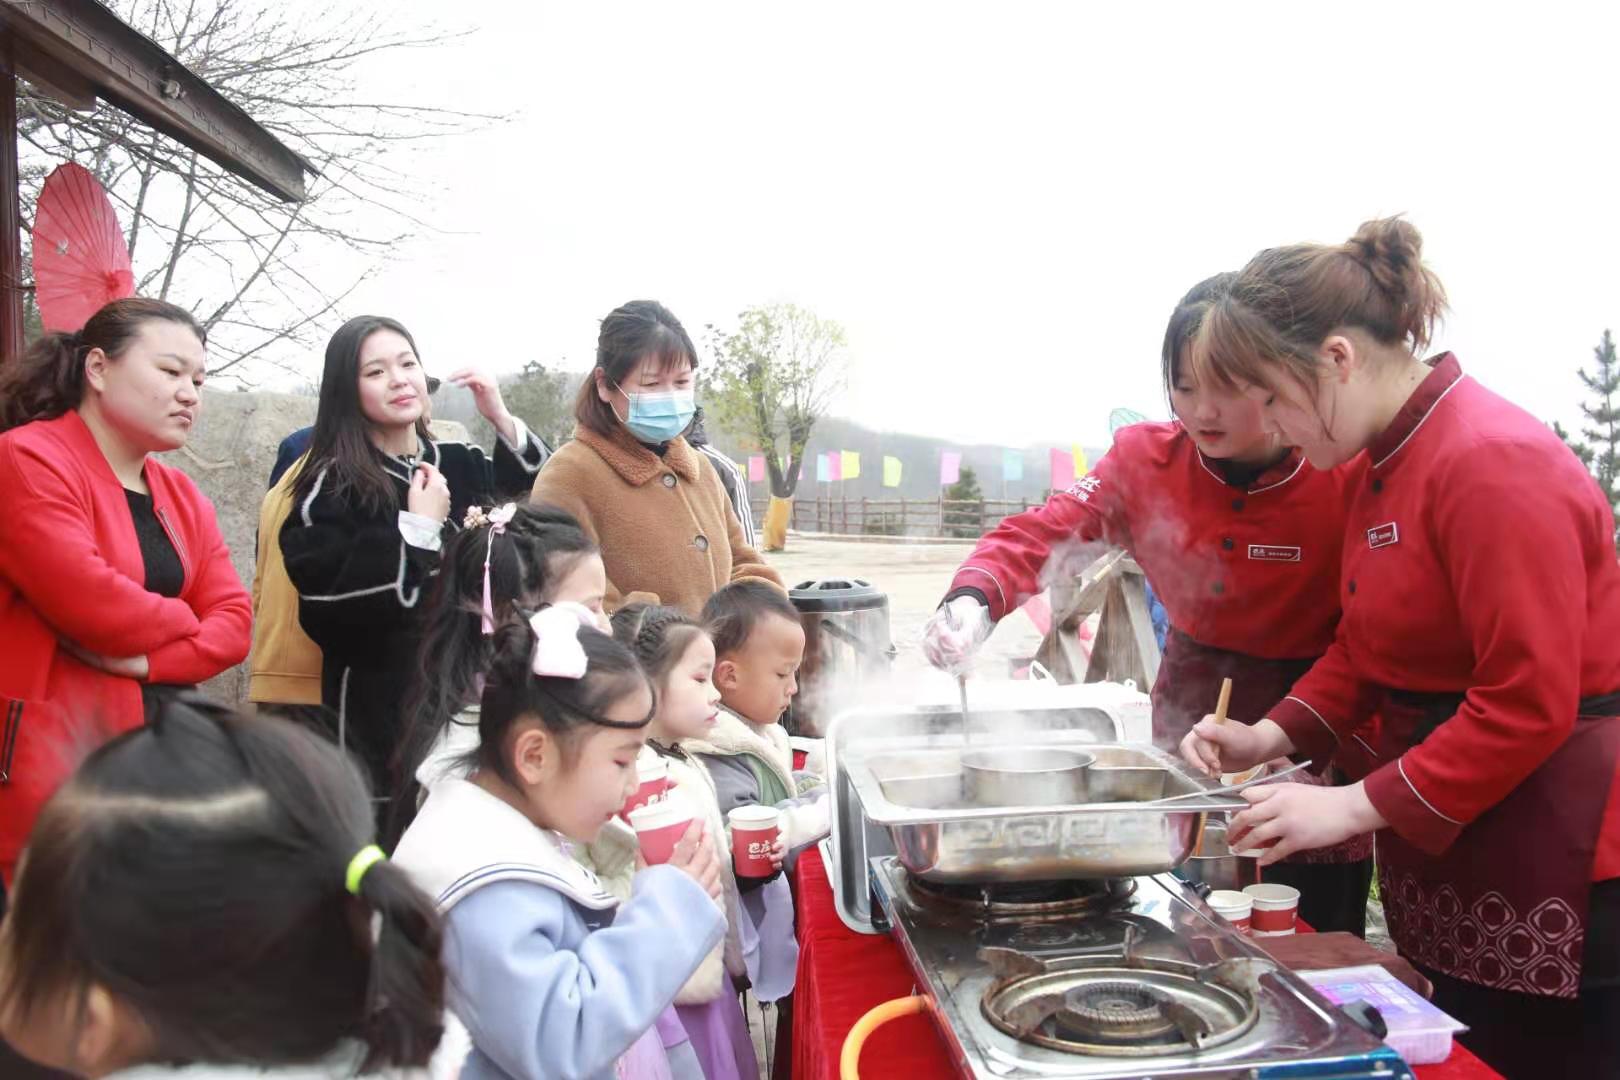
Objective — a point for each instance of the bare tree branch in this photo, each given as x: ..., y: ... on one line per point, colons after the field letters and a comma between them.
x: 265, y: 276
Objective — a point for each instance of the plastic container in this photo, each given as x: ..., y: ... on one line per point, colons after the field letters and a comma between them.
x: 1418, y: 1031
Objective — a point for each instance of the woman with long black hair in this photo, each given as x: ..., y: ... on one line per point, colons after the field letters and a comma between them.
x: 374, y: 502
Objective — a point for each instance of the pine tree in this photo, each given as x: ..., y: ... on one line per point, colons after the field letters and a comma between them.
x: 966, y: 487
x: 1600, y: 450
x: 965, y: 490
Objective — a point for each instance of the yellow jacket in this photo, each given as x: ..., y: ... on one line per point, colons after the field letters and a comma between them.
x: 285, y: 665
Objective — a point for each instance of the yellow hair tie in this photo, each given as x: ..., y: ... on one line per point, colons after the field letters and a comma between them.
x: 363, y: 860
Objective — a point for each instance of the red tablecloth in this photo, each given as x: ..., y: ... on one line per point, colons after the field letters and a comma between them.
x: 843, y: 974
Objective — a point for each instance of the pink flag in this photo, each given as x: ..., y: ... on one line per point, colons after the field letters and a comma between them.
x: 950, y: 467
x: 835, y: 465
x: 1062, y: 470
x: 756, y: 468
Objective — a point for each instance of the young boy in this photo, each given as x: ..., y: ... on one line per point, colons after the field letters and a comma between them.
x: 758, y: 645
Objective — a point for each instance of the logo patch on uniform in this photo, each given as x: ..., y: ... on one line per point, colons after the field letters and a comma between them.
x: 1273, y: 553
x: 1384, y: 535
x: 1083, y: 488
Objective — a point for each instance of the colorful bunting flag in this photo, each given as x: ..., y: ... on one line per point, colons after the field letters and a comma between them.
x: 835, y: 466
x: 823, y: 470
x: 851, y: 465
x: 950, y: 467
x: 891, y: 472
x: 756, y: 468
x: 1062, y: 469
x: 1079, y: 461
x: 1012, y: 464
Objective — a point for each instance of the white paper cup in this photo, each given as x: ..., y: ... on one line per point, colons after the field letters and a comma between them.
x: 652, y: 783
x: 659, y: 827
x: 1276, y: 908
x: 753, y: 831
x: 1235, y: 907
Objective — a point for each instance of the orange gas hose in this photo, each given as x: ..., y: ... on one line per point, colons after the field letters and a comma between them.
x: 850, y: 1058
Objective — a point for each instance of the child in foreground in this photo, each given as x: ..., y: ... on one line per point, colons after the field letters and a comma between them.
x: 679, y: 657
x: 156, y: 876
x: 505, y: 558
x: 550, y: 974
x: 759, y: 644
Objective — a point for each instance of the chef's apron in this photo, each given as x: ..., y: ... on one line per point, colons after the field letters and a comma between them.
x: 1189, y: 681
x: 1505, y: 906
x: 1185, y: 692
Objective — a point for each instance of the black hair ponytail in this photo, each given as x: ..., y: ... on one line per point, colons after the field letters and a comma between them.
x: 403, y: 1024
x: 226, y: 841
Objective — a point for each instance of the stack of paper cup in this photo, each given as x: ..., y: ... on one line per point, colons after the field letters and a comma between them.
x: 659, y: 827
x: 1234, y: 907
x: 1276, y: 909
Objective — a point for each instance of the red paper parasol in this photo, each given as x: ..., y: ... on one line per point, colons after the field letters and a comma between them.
x: 81, y: 262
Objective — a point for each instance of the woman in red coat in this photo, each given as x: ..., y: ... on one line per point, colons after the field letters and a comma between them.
x: 1240, y: 538
x: 1481, y: 599
x: 114, y: 579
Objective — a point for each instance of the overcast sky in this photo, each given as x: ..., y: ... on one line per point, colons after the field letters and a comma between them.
x: 1002, y: 202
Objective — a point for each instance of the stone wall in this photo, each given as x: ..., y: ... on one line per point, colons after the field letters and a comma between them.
x: 229, y: 456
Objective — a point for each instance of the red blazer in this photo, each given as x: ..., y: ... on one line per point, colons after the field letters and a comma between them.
x: 1250, y: 570
x: 70, y: 567
x: 1479, y: 561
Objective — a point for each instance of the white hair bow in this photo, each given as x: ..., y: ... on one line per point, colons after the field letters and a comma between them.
x: 558, y: 653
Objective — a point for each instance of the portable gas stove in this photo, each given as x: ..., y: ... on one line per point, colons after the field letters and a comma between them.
x: 1124, y: 978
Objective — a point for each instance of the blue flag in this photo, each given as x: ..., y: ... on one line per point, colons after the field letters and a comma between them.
x: 1012, y: 464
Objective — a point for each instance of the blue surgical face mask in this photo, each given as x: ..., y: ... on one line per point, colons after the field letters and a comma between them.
x: 660, y: 417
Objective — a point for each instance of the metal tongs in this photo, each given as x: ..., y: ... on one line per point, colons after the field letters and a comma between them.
x: 1232, y: 789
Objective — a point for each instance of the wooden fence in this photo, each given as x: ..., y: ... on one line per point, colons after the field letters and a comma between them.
x: 949, y: 518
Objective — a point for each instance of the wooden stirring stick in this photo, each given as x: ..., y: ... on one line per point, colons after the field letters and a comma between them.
x: 1220, y: 718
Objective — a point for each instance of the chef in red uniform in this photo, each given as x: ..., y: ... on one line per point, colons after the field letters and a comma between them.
x: 1240, y: 538
x: 1481, y: 597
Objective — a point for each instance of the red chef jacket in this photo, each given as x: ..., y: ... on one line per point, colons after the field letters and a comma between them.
x: 1251, y: 570
x: 1479, y: 560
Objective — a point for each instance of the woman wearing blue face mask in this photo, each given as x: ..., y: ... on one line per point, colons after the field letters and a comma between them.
x: 654, y: 505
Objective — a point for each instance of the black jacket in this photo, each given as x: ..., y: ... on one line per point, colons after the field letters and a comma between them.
x: 362, y: 587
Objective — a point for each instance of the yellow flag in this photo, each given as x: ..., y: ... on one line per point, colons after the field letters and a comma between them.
x: 1079, y: 461
x: 891, y: 471
x: 852, y: 464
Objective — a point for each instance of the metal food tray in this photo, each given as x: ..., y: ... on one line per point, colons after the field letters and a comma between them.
x: 912, y: 788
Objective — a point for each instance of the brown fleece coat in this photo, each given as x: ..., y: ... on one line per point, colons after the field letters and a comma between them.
x: 666, y: 529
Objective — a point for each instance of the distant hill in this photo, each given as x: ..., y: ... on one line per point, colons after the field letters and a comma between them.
x: 919, y: 454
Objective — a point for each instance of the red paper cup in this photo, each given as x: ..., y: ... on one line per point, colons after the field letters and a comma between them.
x: 652, y: 775
x: 753, y: 830
x: 659, y: 827
x: 1275, y: 908
x: 1235, y: 907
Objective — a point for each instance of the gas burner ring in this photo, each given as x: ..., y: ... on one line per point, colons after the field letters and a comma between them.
x: 1044, y: 935
x: 1101, y: 1008
x: 1023, y: 902
x: 1123, y: 1010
